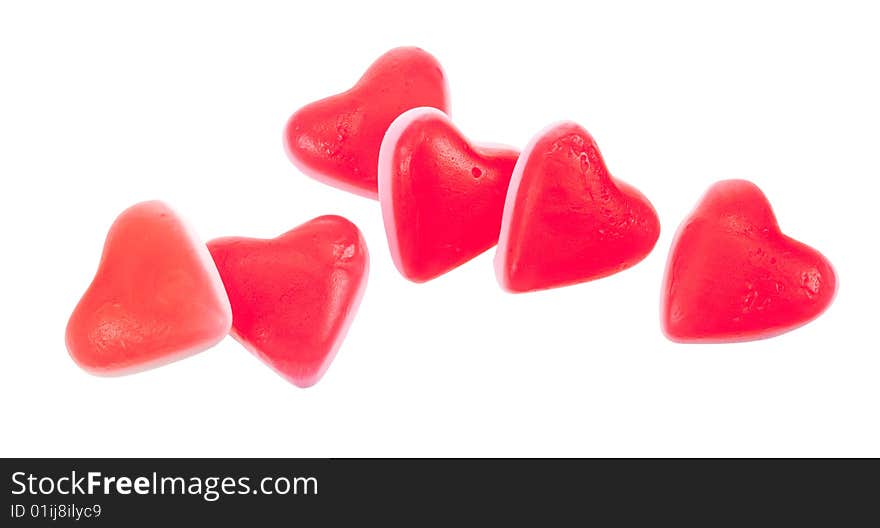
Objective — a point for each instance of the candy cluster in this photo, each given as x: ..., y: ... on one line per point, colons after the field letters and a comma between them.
x: 555, y: 212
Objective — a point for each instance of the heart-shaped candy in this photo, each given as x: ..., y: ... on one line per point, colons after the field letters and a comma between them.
x: 441, y: 196
x: 733, y: 276
x: 294, y: 296
x: 336, y: 140
x: 566, y: 220
x: 155, y: 298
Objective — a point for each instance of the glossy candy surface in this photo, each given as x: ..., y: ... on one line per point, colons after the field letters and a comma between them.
x: 442, y: 196
x: 566, y: 219
x: 336, y: 140
x: 733, y: 276
x: 294, y: 296
x: 155, y: 298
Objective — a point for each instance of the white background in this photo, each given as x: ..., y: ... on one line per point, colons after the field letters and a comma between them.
x: 104, y: 104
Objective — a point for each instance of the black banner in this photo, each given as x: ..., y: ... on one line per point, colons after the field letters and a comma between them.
x: 136, y: 492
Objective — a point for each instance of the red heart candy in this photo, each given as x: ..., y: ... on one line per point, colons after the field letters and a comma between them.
x: 293, y: 297
x: 441, y: 196
x: 733, y: 276
x: 336, y: 140
x: 566, y: 220
x: 155, y: 298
